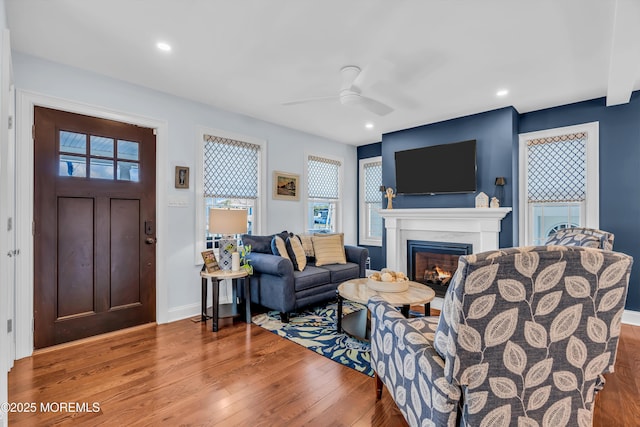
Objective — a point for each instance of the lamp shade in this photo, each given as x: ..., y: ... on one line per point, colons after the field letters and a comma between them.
x: 500, y: 180
x: 227, y: 221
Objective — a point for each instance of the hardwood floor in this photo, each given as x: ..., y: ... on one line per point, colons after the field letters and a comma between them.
x: 183, y: 374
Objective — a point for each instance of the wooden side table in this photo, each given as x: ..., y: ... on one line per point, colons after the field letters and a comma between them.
x: 220, y: 311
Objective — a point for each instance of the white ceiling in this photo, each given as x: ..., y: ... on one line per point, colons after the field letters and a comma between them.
x: 430, y: 60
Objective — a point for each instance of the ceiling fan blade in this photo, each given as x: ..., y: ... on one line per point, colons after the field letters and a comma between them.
x: 376, y: 70
x: 312, y: 100
x: 374, y: 106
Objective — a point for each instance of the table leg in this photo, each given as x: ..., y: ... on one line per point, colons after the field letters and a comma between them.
x: 405, y: 311
x: 204, y: 300
x: 427, y: 309
x: 215, y: 283
x: 234, y: 293
x: 339, y: 319
x: 247, y: 299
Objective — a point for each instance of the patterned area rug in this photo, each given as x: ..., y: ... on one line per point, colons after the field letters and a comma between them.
x: 315, y: 329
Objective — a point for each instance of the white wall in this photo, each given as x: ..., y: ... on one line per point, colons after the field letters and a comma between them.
x: 286, y: 148
x: 6, y: 282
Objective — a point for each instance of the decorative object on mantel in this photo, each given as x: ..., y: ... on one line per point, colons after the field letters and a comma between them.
x: 495, y: 203
x: 482, y: 200
x: 389, y: 196
x: 499, y: 194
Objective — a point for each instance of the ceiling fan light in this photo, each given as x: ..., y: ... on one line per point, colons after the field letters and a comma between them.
x: 350, y: 98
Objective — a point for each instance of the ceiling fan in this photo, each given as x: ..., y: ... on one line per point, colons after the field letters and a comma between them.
x: 351, y: 93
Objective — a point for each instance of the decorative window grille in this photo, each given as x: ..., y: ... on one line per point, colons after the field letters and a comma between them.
x: 557, y: 169
x: 230, y: 168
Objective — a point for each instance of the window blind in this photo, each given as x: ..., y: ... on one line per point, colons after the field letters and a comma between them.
x: 372, y: 182
x: 323, y: 178
x: 230, y: 168
x: 556, y: 169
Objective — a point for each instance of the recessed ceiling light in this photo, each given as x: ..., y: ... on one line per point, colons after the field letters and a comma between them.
x: 369, y: 125
x: 165, y: 47
x: 502, y: 92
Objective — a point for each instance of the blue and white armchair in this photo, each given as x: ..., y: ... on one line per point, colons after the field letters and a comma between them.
x: 524, y: 337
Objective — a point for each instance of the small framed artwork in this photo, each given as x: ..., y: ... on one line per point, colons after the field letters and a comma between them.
x: 182, y: 177
x: 210, y: 262
x: 286, y: 186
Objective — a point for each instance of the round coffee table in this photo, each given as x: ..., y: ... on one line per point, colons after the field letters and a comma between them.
x: 357, y: 324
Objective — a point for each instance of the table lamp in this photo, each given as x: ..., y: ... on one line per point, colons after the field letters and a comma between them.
x: 228, y: 223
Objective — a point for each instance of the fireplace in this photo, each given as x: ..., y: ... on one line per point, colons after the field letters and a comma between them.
x: 433, y: 263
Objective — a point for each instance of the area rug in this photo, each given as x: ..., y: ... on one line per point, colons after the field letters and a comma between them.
x: 315, y: 329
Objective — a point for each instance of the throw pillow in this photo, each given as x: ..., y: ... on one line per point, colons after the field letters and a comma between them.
x: 279, y: 247
x: 298, y: 257
x: 307, y: 245
x: 329, y: 249
x: 331, y: 234
x: 259, y: 244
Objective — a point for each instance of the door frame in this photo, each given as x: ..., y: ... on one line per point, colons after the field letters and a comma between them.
x: 25, y: 103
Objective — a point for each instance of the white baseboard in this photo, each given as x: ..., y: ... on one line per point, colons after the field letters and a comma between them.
x: 631, y: 317
x: 184, y: 312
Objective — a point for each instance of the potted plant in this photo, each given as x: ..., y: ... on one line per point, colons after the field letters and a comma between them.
x: 245, y: 263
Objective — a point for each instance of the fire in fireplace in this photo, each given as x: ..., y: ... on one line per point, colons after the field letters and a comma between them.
x: 434, y: 263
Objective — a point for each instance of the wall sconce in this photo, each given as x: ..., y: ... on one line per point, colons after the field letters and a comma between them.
x: 499, y: 194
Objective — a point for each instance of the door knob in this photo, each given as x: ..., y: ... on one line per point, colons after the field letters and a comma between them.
x: 150, y: 240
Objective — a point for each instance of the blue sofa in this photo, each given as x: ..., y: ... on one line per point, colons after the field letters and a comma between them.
x: 275, y: 283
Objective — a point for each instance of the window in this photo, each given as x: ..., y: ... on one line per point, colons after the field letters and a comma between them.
x: 101, y: 157
x: 370, y: 198
x: 559, y: 181
x: 324, y: 193
x: 228, y: 175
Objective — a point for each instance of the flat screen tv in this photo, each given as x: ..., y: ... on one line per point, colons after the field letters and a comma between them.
x: 438, y: 169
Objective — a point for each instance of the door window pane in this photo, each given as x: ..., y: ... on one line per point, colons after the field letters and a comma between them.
x: 101, y: 169
x: 101, y: 146
x: 128, y: 171
x: 72, y: 166
x: 71, y: 142
x: 128, y: 150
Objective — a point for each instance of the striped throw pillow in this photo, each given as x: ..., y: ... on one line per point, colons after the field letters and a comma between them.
x: 329, y: 250
x: 298, y: 256
x: 279, y: 247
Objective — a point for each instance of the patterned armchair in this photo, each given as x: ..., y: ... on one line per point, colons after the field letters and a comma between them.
x: 580, y: 236
x: 524, y: 337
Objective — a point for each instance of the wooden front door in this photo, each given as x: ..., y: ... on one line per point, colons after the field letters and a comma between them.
x: 94, y: 231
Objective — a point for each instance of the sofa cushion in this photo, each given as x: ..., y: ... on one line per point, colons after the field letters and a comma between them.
x: 342, y: 272
x: 310, y: 277
x: 296, y: 253
x: 329, y: 250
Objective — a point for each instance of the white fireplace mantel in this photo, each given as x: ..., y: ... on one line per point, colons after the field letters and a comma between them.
x: 479, y: 227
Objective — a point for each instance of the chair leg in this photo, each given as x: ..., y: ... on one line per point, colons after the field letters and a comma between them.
x: 378, y: 387
x: 284, y: 317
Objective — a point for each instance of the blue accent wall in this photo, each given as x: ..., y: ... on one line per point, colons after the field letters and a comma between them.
x: 375, y: 252
x: 495, y: 134
x: 619, y: 169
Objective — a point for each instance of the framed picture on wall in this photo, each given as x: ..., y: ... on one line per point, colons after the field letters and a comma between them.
x: 286, y: 186
x: 182, y: 177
